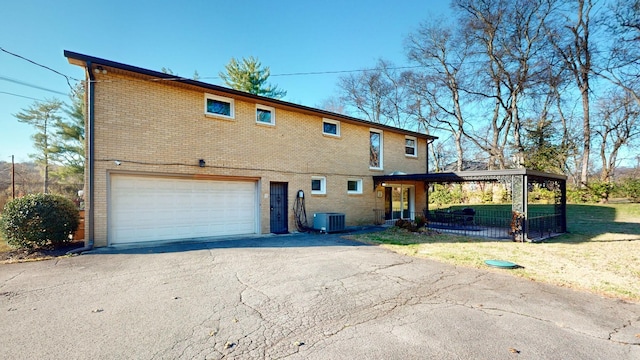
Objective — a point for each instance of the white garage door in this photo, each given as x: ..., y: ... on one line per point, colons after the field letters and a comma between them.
x: 155, y: 208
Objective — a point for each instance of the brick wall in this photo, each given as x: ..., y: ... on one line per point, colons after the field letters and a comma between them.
x: 156, y: 127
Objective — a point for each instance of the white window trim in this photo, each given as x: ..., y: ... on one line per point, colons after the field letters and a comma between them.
x: 415, y: 148
x: 223, y: 99
x: 359, y: 190
x: 323, y: 185
x: 381, y: 167
x: 336, y: 122
x: 267, y: 108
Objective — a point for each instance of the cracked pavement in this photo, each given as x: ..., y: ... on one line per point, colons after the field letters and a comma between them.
x: 297, y: 297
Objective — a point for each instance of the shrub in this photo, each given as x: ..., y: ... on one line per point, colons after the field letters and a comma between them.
x: 440, y: 195
x: 631, y: 189
x: 487, y: 196
x: 38, y: 219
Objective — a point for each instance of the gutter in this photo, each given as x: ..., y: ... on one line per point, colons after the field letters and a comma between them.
x: 89, y: 60
x: 88, y: 244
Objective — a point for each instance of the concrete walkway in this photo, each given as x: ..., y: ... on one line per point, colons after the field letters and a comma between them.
x: 296, y: 297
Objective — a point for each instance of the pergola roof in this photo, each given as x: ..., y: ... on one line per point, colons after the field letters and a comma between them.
x: 464, y: 176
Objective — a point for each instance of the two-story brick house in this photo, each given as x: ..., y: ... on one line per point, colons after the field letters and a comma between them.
x: 171, y: 158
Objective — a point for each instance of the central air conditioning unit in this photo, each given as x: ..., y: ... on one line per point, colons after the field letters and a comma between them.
x: 328, y: 222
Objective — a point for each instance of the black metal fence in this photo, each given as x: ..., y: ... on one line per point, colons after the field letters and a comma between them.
x: 495, y: 224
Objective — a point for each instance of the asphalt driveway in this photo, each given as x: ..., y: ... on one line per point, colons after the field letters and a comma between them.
x: 297, y: 297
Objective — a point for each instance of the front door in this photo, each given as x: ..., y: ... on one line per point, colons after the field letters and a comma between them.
x: 278, y: 205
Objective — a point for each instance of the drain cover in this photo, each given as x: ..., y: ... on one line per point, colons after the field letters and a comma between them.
x: 501, y: 264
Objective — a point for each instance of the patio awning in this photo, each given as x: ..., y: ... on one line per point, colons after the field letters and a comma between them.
x: 465, y: 176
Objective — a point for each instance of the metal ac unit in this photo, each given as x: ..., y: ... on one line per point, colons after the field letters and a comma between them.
x: 328, y: 222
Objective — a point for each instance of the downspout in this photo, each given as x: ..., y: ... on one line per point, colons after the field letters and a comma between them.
x: 88, y: 244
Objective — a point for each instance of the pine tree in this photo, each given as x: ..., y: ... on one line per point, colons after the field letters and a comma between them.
x: 42, y: 116
x: 250, y: 76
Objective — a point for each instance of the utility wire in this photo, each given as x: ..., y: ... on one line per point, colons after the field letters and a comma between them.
x: 330, y: 71
x: 68, y: 78
x: 19, y: 82
x: 22, y: 96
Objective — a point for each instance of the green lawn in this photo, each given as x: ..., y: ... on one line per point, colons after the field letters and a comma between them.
x: 601, y: 252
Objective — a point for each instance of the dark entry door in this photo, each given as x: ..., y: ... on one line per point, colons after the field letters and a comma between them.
x: 278, y: 203
x: 388, y: 203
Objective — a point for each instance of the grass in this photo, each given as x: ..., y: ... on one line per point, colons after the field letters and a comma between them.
x: 601, y: 252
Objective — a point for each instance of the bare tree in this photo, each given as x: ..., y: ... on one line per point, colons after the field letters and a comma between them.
x: 438, y: 86
x: 619, y: 116
x: 333, y: 104
x: 508, y: 52
x: 377, y: 95
x: 622, y: 67
x: 571, y: 38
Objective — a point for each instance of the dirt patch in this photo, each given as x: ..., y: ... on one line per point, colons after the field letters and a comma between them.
x: 21, y: 255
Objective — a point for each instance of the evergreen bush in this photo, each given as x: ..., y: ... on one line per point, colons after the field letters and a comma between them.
x: 37, y: 220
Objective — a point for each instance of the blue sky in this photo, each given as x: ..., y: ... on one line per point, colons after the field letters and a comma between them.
x: 288, y: 36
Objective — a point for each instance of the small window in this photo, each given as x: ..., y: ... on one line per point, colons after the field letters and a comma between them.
x: 410, y: 146
x: 265, y: 115
x: 218, y: 106
x: 354, y: 186
x: 375, y: 149
x: 318, y: 185
x: 331, y: 127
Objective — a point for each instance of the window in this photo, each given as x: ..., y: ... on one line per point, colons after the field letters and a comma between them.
x: 265, y: 115
x: 218, y: 106
x: 318, y: 185
x: 354, y: 186
x: 410, y: 146
x: 375, y: 149
x: 331, y: 127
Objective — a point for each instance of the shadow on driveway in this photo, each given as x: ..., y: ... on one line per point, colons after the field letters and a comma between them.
x: 312, y: 239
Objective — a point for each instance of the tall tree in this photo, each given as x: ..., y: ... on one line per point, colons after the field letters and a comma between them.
x: 439, y: 85
x: 618, y: 124
x: 42, y: 116
x: 571, y: 38
x: 508, y: 46
x: 69, y: 147
x: 622, y: 67
x: 378, y: 95
x: 250, y: 76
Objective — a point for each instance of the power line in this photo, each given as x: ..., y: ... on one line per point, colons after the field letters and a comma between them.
x: 22, y: 96
x: 68, y: 78
x: 329, y: 71
x: 16, y: 81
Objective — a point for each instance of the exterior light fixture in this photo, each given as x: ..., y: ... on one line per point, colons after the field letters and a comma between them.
x: 201, y: 163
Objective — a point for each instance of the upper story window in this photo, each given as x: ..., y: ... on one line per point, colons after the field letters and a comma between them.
x: 375, y: 149
x: 410, y: 146
x: 318, y: 185
x: 331, y: 127
x: 265, y: 115
x: 218, y: 106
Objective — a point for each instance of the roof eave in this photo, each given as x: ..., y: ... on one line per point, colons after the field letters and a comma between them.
x: 78, y: 59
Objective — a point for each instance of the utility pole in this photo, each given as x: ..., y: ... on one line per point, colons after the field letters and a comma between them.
x: 13, y: 178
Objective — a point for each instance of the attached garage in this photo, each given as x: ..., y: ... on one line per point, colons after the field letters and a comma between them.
x: 155, y: 208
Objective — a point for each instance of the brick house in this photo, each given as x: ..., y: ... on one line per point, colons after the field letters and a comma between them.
x: 171, y: 158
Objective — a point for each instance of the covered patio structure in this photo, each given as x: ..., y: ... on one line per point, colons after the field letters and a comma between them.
x: 519, y: 224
